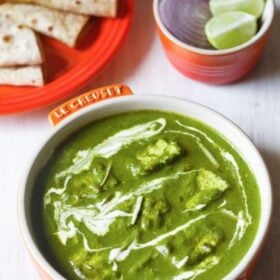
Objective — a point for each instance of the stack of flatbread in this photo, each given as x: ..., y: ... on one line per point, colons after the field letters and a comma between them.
x: 21, y: 54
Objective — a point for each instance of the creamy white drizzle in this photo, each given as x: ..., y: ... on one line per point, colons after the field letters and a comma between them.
x: 198, y: 131
x: 197, y: 208
x: 206, y: 152
x: 97, y: 220
x: 163, y: 250
x: 201, y: 268
x: 88, y: 248
x: 77, y: 271
x: 113, y: 145
x: 183, y: 133
x: 58, y: 191
x: 241, y: 225
x: 229, y: 157
x: 118, y: 255
x: 98, y: 217
x: 180, y: 263
x: 224, y: 203
x: 106, y: 176
x: 137, y: 209
x: 115, y: 266
x: 65, y: 234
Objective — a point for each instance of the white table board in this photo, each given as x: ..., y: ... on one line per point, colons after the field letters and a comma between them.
x: 253, y: 104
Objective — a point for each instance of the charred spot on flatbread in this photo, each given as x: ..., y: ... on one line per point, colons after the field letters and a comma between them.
x: 7, y: 38
x: 34, y: 21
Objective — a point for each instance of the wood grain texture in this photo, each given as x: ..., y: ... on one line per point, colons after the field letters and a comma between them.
x: 253, y: 104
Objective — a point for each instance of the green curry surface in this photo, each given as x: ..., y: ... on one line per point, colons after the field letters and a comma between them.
x: 146, y: 195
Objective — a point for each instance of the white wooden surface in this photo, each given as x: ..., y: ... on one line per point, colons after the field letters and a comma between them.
x: 254, y: 104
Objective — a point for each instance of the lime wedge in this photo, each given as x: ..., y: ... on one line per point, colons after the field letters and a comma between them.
x: 230, y: 29
x: 253, y: 7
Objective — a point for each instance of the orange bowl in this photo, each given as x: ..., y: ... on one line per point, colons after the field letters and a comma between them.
x: 215, y: 66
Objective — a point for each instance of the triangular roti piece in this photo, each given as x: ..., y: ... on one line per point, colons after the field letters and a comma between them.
x: 104, y: 8
x: 22, y: 76
x: 63, y: 26
x: 18, y: 45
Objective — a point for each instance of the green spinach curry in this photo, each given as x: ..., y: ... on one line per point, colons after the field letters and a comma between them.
x: 146, y: 195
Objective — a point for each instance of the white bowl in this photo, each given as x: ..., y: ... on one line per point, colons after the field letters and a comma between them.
x: 138, y: 102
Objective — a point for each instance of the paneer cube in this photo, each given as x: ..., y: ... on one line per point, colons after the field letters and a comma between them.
x: 159, y: 154
x: 210, y: 187
x: 153, y: 213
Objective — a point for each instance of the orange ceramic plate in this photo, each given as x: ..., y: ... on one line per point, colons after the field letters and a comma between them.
x: 68, y: 70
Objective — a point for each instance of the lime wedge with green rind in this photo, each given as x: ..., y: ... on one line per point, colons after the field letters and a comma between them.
x: 253, y: 7
x: 230, y: 29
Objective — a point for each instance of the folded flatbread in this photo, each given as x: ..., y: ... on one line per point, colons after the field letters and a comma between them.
x: 63, y: 26
x: 18, y: 45
x: 22, y: 76
x: 105, y: 8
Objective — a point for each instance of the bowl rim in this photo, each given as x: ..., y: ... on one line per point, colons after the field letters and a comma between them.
x: 38, y: 258
x: 269, y: 10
